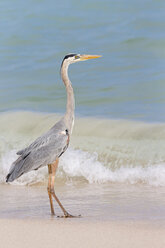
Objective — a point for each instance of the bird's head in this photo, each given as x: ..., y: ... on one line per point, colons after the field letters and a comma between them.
x: 73, y: 58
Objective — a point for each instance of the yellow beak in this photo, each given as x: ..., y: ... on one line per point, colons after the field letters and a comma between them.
x: 85, y: 57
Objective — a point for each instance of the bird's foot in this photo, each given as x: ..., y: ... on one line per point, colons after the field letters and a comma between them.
x: 67, y: 215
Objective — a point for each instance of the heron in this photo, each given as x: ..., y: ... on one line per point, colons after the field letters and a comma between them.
x: 49, y: 147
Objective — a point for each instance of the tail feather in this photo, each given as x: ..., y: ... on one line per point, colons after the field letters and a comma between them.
x: 7, y: 177
x: 15, y: 170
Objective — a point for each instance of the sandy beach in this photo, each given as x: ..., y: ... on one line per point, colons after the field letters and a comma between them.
x: 119, y: 217
x: 71, y: 233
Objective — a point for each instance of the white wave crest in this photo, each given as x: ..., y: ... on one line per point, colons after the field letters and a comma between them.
x: 85, y: 165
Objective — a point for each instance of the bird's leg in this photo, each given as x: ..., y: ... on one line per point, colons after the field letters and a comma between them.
x: 53, y: 170
x: 49, y: 189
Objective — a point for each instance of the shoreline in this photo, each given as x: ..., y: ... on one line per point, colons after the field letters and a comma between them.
x: 72, y: 233
x: 112, y: 217
x: 105, y: 202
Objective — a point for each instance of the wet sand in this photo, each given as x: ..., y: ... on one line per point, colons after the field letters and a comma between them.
x: 95, y: 202
x: 112, y: 216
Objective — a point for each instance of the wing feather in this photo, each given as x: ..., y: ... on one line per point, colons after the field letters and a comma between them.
x: 44, y: 139
x: 44, y: 150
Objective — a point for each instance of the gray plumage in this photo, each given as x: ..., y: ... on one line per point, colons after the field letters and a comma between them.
x: 43, y: 151
x: 51, y: 145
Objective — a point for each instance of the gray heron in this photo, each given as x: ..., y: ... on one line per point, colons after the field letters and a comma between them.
x: 47, y: 149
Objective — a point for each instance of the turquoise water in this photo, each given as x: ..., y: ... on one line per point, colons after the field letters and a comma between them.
x: 128, y: 82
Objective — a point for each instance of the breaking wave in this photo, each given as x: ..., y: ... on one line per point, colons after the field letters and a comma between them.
x: 101, y: 150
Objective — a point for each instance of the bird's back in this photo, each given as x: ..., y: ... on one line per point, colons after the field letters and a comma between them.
x: 43, y: 151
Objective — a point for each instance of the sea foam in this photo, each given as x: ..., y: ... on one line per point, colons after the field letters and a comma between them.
x: 81, y: 165
x: 101, y: 151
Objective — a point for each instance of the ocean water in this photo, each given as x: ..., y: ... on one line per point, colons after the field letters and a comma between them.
x: 119, y: 134
x: 127, y: 82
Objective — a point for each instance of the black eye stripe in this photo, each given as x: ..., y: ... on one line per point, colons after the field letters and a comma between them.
x: 69, y: 55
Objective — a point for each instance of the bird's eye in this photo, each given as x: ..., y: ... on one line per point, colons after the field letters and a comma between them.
x: 76, y: 57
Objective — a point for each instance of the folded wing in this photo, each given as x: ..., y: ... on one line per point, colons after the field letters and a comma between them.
x: 44, y: 150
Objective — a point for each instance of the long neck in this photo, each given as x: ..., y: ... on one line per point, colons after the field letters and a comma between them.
x: 70, y: 106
